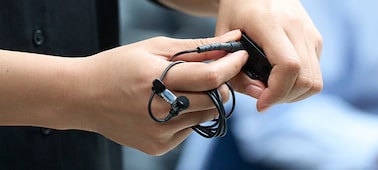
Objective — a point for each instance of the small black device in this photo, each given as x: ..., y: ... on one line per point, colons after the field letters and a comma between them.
x: 257, y: 66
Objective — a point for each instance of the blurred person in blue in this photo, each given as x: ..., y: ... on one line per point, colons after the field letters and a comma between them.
x: 336, y: 129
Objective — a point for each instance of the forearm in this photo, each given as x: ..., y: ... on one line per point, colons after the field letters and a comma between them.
x: 194, y: 7
x: 36, y: 89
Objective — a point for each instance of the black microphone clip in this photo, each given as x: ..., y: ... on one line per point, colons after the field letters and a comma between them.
x: 178, y: 104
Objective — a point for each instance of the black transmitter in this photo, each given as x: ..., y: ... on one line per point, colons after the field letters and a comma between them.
x: 257, y: 66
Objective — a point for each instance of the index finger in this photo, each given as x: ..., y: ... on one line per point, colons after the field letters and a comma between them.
x: 286, y: 66
x: 200, y: 76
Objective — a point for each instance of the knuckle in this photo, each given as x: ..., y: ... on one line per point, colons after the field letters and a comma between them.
x: 280, y: 98
x: 159, y: 39
x: 225, y: 93
x: 294, y: 17
x: 202, y: 41
x: 157, y: 144
x: 319, y: 40
x: 311, y: 85
x: 213, y: 77
x: 317, y: 86
x: 319, y: 45
x: 305, y: 82
x: 292, y: 66
x: 207, y: 116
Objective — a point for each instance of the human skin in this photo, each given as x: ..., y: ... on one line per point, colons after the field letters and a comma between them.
x: 107, y: 93
x: 286, y: 33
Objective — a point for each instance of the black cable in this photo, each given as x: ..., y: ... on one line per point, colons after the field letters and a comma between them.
x: 229, y: 47
x: 156, y: 91
x: 218, y: 126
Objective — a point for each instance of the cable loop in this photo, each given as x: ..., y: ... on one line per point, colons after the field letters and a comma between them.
x: 214, y: 128
x: 159, y: 88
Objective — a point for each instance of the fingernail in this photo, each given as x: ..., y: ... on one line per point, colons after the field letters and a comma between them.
x: 254, y: 91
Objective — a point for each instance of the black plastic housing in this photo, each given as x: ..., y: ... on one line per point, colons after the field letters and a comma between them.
x: 257, y: 66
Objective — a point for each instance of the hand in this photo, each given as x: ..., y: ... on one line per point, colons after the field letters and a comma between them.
x: 119, y: 82
x: 290, y: 40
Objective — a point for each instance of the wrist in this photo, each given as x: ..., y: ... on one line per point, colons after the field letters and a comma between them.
x: 64, y: 104
x: 77, y: 107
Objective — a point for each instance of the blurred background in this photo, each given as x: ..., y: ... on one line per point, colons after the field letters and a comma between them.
x: 143, y: 19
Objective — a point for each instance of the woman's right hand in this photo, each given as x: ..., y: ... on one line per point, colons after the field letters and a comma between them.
x: 117, y: 84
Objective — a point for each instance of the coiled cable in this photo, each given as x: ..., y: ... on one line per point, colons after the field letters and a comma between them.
x: 218, y: 126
